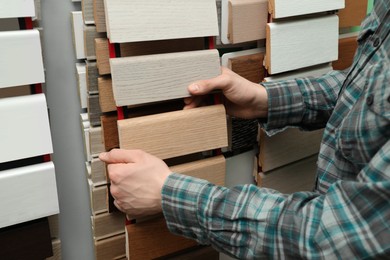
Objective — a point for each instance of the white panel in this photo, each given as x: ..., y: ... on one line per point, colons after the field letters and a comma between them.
x: 16, y: 8
x: 82, y: 80
x: 24, y: 130
x: 20, y: 58
x: 27, y: 193
x: 287, y: 8
x: 78, y: 34
x: 302, y: 43
x: 315, y: 71
x: 140, y: 20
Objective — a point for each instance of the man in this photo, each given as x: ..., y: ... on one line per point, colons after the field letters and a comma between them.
x: 348, y: 214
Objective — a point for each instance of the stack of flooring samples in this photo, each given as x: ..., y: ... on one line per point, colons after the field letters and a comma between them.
x: 28, y: 190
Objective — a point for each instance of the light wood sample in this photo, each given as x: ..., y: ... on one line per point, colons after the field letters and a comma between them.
x: 211, y: 169
x: 287, y: 146
x: 108, y: 224
x: 78, y: 34
x: 82, y: 83
x: 137, y: 20
x: 25, y: 132
x: 56, y: 245
x: 16, y: 8
x: 96, y: 140
x: 248, y: 64
x: 98, y: 196
x: 314, y: 71
x: 98, y: 172
x: 87, y: 9
x: 288, y: 49
x: 152, y: 239
x: 54, y: 226
x: 99, y: 16
x: 347, y: 48
x: 282, y: 9
x: 247, y: 20
x: 353, y: 13
x: 106, y: 96
x: 143, y: 48
x: 111, y: 248
x: 151, y: 78
x: 167, y: 135
x: 21, y: 58
x: 92, y: 76
x: 90, y: 34
x: 27, y: 193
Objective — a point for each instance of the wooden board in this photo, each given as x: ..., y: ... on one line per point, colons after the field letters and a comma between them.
x: 17, y: 8
x: 110, y: 132
x: 9, y: 24
x: 92, y: 76
x: 108, y: 224
x: 15, y: 91
x: 353, y: 14
x: 78, y: 34
x: 152, y: 239
x: 166, y: 135
x: 247, y: 20
x: 94, y: 108
x: 111, y: 248
x: 106, y: 95
x: 315, y: 71
x: 98, y: 172
x: 27, y: 193
x: 211, y: 169
x: 152, y: 78
x: 25, y: 132
x: 134, y: 21
x: 98, y: 197
x: 144, y: 48
x: 54, y: 226
x: 288, y: 49
x: 82, y: 83
x: 294, y: 177
x: 21, y: 58
x: 84, y: 120
x: 207, y: 253
x: 287, y: 146
x: 282, y: 9
x: 99, y: 15
x: 56, y: 245
x: 90, y: 34
x: 347, y: 48
x: 96, y: 140
x: 87, y: 9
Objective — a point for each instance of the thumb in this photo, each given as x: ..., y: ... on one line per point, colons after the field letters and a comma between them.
x: 119, y: 156
x: 204, y: 87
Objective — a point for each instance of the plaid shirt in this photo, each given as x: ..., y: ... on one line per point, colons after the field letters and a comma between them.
x: 348, y: 214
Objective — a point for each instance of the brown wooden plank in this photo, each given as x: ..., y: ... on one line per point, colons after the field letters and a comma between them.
x: 249, y: 66
x: 106, y: 96
x: 353, y: 13
x: 15, y: 91
x: 92, y: 76
x: 347, y: 49
x: 102, y: 56
x: 99, y: 16
x: 90, y: 34
x: 56, y: 244
x: 111, y: 248
x: 110, y: 131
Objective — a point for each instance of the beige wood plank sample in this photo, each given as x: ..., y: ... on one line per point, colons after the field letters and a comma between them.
x: 90, y: 34
x: 152, y: 239
x: 78, y: 34
x: 247, y: 20
x: 108, y: 224
x: 99, y: 15
x: 137, y: 20
x: 98, y: 196
x: 151, y: 78
x: 287, y: 146
x: 211, y: 169
x: 167, y: 135
x: 98, y: 172
x: 106, y: 95
x: 87, y: 9
x: 353, y: 13
x: 288, y: 49
x: 17, y: 8
x: 347, y: 49
x: 96, y: 140
x: 56, y: 245
x: 282, y: 9
x: 82, y: 83
x: 111, y: 248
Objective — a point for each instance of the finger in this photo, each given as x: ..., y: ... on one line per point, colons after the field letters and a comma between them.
x: 204, y: 87
x: 121, y: 156
x: 195, y: 102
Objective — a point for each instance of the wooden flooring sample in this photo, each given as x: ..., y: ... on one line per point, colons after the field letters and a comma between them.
x: 82, y: 83
x: 96, y: 140
x: 287, y: 146
x: 92, y: 76
x: 98, y: 196
x: 176, y: 133
x: 108, y: 224
x: 152, y: 78
x: 99, y: 15
x: 347, y: 48
x: 90, y: 34
x: 106, y: 95
x: 56, y: 245
x: 16, y: 8
x: 211, y: 169
x: 25, y: 132
x: 282, y: 9
x: 138, y: 20
x: 111, y: 248
x: 288, y: 49
x: 110, y: 132
x: 87, y: 9
x: 353, y: 13
x: 143, y: 48
x: 249, y: 66
x: 21, y: 58
x: 27, y: 193
x: 98, y: 172
x: 315, y: 71
x: 15, y: 91
x: 78, y: 34
x: 247, y: 20
x: 152, y: 239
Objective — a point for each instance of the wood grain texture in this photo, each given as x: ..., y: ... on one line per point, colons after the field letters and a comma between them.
x: 110, y: 131
x: 37, y: 196
x: 56, y: 245
x: 249, y: 66
x: 295, y: 177
x: 134, y: 21
x: 87, y: 9
x: 152, y: 239
x: 210, y: 169
x: 353, y: 13
x: 282, y: 9
x: 21, y: 58
x: 15, y: 91
x: 108, y: 225
x: 96, y: 140
x: 98, y: 197
x: 152, y: 78
x: 314, y: 71
x: 106, y: 95
x: 347, y: 49
x: 247, y: 20
x: 81, y: 70
x: 90, y: 34
x: 17, y: 8
x: 288, y: 49
x: 93, y: 106
x: 54, y: 226
x: 166, y: 135
x: 26, y: 130
x: 78, y: 34
x: 111, y: 248
x: 92, y: 76
x: 99, y: 15
x: 287, y: 146
x: 98, y: 172
x: 144, y: 48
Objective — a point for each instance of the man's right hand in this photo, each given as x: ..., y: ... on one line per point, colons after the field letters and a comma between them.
x: 244, y: 99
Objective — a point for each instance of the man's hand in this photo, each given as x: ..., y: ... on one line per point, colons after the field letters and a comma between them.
x: 245, y: 99
x: 137, y: 179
